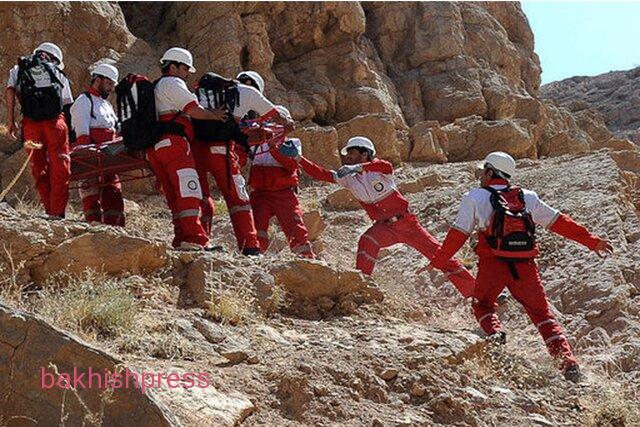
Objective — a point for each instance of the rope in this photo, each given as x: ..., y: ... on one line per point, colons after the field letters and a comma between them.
x: 27, y: 145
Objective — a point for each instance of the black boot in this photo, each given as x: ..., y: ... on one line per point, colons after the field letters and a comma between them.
x: 497, y: 338
x: 574, y: 374
x: 251, y: 252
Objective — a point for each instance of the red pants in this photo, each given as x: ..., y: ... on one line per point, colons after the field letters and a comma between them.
x: 51, y: 165
x: 102, y: 201
x: 102, y: 198
x: 172, y: 163
x: 284, y: 205
x: 409, y: 231
x: 213, y: 159
x: 493, y: 276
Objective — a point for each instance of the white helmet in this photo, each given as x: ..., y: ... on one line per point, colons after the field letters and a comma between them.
x: 53, y: 50
x: 257, y: 78
x: 178, y: 54
x: 359, y: 142
x: 283, y: 111
x: 106, y: 70
x: 500, y: 161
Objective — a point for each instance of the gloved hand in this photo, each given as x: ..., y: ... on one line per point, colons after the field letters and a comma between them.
x: 348, y: 170
x: 289, y: 149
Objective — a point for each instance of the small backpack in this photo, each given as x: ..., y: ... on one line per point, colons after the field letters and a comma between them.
x: 214, y: 91
x: 511, y: 231
x: 136, y: 110
x: 40, y: 88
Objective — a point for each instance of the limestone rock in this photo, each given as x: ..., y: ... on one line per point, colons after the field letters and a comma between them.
x: 428, y: 143
x: 612, y: 94
x: 319, y: 144
x: 380, y: 129
x: 342, y: 200
x: 473, y: 138
x: 28, y: 345
x: 315, y: 224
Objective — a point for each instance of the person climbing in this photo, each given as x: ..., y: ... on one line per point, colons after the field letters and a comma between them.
x: 216, y: 152
x: 171, y: 158
x: 94, y: 122
x: 506, y: 216
x: 44, y: 93
x: 274, y: 185
x: 371, y: 181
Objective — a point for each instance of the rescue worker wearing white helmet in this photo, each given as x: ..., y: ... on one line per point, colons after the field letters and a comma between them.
x: 95, y: 122
x: 172, y: 158
x: 45, y: 96
x: 274, y: 185
x: 505, y: 215
x: 224, y: 159
x: 371, y: 182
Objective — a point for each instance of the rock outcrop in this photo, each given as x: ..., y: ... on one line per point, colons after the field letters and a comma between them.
x: 31, y: 351
x: 613, y: 94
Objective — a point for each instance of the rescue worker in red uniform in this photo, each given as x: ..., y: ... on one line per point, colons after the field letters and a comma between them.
x: 521, y: 277
x: 172, y: 157
x: 35, y: 79
x: 221, y: 159
x: 274, y: 184
x: 94, y: 122
x: 371, y: 181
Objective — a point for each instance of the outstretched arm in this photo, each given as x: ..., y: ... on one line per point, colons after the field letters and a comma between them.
x: 316, y: 171
x: 567, y: 227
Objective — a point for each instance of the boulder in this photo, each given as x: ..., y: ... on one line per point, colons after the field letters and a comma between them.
x: 319, y: 144
x: 428, y: 143
x: 342, y: 200
x: 31, y: 350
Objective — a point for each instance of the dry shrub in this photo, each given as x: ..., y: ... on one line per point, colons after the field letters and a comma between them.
x: 92, y: 304
x: 615, y: 405
x: 232, y: 305
x: 11, y: 291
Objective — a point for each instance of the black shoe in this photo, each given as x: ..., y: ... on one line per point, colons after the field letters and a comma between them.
x: 574, y: 374
x: 497, y: 338
x: 251, y: 252
x: 214, y: 248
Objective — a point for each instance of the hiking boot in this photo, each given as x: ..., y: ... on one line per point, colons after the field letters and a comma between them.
x: 503, y: 298
x: 497, y: 338
x: 188, y: 246
x: 55, y: 217
x: 251, y: 252
x: 574, y: 374
x: 214, y: 248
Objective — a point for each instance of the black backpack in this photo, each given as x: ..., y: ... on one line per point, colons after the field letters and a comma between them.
x: 136, y: 110
x: 44, y: 102
x: 214, y: 91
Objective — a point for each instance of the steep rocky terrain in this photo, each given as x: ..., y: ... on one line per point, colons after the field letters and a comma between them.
x: 616, y: 95
x: 292, y: 342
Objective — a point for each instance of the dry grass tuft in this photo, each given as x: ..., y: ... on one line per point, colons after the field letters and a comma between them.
x: 232, y: 305
x: 92, y: 304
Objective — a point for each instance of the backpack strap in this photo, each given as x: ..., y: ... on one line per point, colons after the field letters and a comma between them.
x: 88, y: 95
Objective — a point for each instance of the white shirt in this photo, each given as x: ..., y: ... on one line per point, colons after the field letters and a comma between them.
x: 42, y: 79
x: 172, y: 95
x: 81, y: 120
x: 262, y: 156
x: 251, y: 99
x: 368, y: 187
x: 476, y: 210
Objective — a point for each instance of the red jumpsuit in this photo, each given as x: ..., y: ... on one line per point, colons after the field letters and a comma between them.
x: 376, y: 191
x: 220, y: 159
x: 51, y: 165
x: 494, y: 274
x: 274, y: 183
x: 172, y: 162
x: 94, y: 122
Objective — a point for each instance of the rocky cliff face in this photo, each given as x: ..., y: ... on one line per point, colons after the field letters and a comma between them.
x: 429, y: 81
x: 616, y: 95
